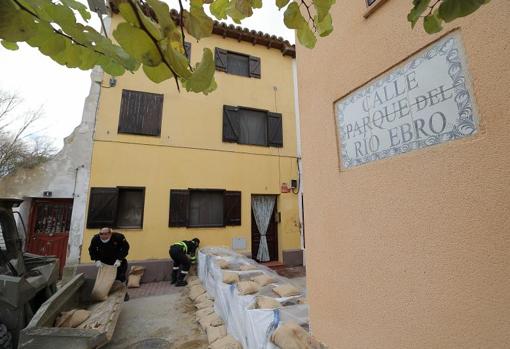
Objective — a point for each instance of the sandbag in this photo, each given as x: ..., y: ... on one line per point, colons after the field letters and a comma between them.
x: 247, y: 287
x: 286, y: 290
x: 203, y: 297
x: 135, y: 275
x: 72, y: 318
x: 291, y: 336
x: 227, y: 342
x: 204, y: 312
x: 246, y: 267
x: 194, y: 282
x: 105, y: 277
x: 204, y: 304
x: 196, y: 291
x: 223, y: 264
x: 210, y: 320
x: 302, y: 301
x: 264, y: 302
x: 230, y: 277
x: 193, y: 278
x: 215, y: 332
x: 262, y: 280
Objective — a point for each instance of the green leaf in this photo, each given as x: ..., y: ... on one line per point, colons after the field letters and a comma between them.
x: 202, y: 79
x: 281, y: 3
x: 61, y: 14
x: 293, y: 19
x: 452, y: 9
x: 15, y: 25
x: 163, y: 15
x: 110, y: 66
x: 432, y: 23
x: 10, y: 45
x: 419, y: 6
x: 177, y: 61
x: 127, y: 12
x: 196, y: 22
x: 138, y: 44
x: 322, y: 7
x: 326, y: 26
x: 219, y: 8
x: 157, y: 74
x: 243, y: 7
x: 256, y: 3
x: 151, y: 27
x: 75, y: 5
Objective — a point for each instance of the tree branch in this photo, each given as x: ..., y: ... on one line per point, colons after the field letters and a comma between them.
x: 309, y: 14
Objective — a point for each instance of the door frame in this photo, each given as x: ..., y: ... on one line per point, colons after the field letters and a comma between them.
x: 254, y: 249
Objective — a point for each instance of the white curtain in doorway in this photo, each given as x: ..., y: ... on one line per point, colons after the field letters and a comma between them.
x: 262, y: 207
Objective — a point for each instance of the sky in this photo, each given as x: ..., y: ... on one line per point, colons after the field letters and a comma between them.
x: 61, y: 91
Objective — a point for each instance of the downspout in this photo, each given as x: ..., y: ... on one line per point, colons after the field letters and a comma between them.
x: 299, y: 160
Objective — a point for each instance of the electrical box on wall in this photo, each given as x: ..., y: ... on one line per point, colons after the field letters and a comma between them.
x: 293, y: 184
x: 238, y: 243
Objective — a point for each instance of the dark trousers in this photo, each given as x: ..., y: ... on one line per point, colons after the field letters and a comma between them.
x: 180, y: 259
x: 122, y: 271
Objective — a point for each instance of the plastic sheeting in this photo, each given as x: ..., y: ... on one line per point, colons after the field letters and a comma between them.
x: 251, y: 327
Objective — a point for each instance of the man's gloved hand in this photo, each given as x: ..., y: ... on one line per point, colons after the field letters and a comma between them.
x: 117, y: 263
x: 99, y: 264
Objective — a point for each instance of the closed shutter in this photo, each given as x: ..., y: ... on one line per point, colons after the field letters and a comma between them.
x: 102, y: 207
x: 231, y: 124
x: 140, y: 113
x: 179, y: 205
x: 274, y: 130
x: 221, y: 59
x: 232, y: 208
x: 187, y: 49
x: 254, y: 67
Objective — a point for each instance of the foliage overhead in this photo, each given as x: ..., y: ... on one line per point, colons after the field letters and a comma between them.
x: 154, y: 40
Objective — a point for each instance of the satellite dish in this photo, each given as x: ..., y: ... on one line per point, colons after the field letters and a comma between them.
x: 97, y: 6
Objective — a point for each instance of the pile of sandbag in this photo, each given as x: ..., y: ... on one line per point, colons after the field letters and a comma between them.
x: 135, y: 275
x: 209, y: 321
x: 72, y: 318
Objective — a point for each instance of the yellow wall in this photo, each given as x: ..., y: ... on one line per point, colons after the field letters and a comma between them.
x: 190, y: 152
x: 410, y: 251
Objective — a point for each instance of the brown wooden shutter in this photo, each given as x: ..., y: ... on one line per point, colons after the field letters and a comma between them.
x: 231, y: 125
x: 274, y: 130
x: 187, y: 49
x: 140, y: 113
x: 179, y: 207
x: 102, y: 207
x: 254, y: 67
x: 232, y: 208
x: 221, y: 59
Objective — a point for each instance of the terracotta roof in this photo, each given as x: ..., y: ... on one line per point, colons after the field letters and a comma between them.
x: 239, y: 33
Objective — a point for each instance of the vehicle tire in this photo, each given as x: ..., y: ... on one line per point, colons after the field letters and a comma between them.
x: 5, y: 338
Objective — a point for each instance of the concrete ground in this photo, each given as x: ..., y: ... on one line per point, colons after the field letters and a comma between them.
x: 158, y: 316
x: 161, y: 316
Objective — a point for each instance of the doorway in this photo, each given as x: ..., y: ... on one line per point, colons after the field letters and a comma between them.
x: 50, y: 222
x: 265, y: 208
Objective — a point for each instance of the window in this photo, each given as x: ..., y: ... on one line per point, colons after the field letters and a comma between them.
x: 237, y: 63
x: 204, y: 208
x: 120, y: 207
x: 252, y: 126
x: 372, y: 5
x: 140, y: 113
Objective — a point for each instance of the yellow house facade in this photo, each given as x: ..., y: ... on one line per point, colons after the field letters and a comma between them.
x: 169, y: 165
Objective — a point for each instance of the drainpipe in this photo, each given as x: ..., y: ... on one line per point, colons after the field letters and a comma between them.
x: 299, y: 161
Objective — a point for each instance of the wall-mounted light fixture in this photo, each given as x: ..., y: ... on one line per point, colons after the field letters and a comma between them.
x: 113, y: 81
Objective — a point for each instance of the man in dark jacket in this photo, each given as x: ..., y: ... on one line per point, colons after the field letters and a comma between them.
x: 110, y: 248
x: 183, y: 254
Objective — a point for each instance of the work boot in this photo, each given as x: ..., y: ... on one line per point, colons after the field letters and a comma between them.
x: 181, y: 282
x: 126, y: 297
x: 175, y: 272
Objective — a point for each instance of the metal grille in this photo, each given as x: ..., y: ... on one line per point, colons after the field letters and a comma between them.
x: 52, y: 218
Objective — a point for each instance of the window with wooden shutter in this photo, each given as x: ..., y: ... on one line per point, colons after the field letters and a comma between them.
x: 140, y: 113
x: 187, y: 50
x: 179, y: 204
x: 102, y: 207
x: 206, y: 208
x: 116, y: 207
x: 252, y: 126
x: 255, y: 67
x: 237, y: 63
x: 202, y: 208
x: 220, y: 56
x: 274, y: 130
x: 232, y: 207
